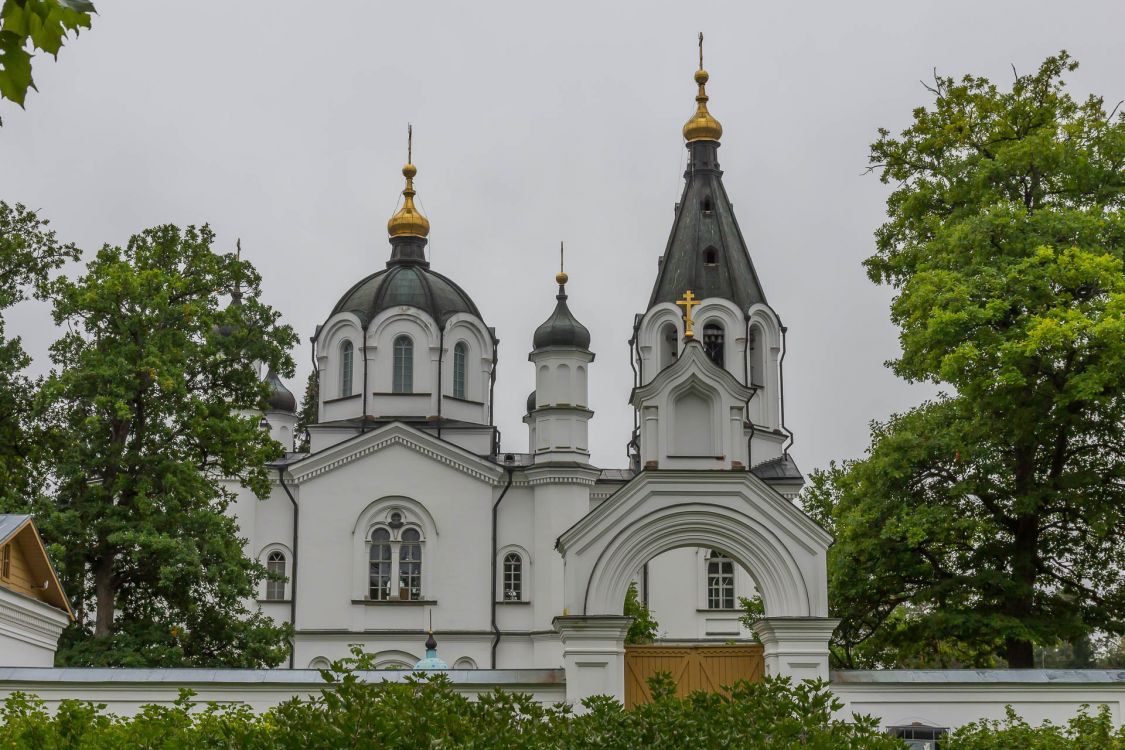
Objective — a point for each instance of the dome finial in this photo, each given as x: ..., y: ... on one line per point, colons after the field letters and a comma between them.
x: 702, y: 126
x: 408, y: 221
x: 561, y: 276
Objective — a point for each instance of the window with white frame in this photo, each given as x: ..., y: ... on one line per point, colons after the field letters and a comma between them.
x: 720, y: 581
x: 347, y: 357
x: 380, y: 564
x: 460, y: 357
x: 402, y: 380
x: 275, y: 584
x: 394, y: 554
x: 513, y: 577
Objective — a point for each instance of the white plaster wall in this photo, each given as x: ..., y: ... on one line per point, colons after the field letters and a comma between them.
x: 953, y: 705
x: 677, y: 598
x: 456, y: 560
x: 29, y: 630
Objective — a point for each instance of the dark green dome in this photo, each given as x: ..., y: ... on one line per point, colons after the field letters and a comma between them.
x: 281, y: 398
x: 531, y: 402
x: 410, y: 284
x: 562, y: 328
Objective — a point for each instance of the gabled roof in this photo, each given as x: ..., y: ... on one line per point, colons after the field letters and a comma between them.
x: 692, y: 362
x: 395, y: 433
x: 19, y: 530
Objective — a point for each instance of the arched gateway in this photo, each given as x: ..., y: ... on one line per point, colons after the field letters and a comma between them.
x: 734, y: 511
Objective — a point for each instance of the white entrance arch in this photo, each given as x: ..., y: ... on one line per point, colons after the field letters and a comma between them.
x: 734, y: 511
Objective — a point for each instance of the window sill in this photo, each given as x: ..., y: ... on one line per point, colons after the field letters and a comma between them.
x: 275, y: 601
x: 342, y: 398
x: 394, y: 602
x: 513, y: 601
x: 719, y: 609
x: 402, y: 393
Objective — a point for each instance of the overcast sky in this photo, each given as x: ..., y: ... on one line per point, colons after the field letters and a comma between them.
x: 284, y: 124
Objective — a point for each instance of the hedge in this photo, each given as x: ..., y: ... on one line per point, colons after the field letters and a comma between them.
x: 426, y: 712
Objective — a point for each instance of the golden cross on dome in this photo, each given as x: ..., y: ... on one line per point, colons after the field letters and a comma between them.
x: 689, y: 301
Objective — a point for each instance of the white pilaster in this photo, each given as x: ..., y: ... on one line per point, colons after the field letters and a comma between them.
x: 593, y: 655
x: 796, y: 647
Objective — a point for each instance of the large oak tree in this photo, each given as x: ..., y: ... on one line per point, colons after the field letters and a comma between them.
x: 151, y: 418
x: 991, y: 519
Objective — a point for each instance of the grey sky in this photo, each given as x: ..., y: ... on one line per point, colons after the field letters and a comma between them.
x: 285, y: 123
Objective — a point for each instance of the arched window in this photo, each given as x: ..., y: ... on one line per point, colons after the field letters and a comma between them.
x: 403, y: 378
x: 707, y: 206
x: 669, y: 345
x: 710, y: 257
x: 410, y: 565
x: 379, y: 575
x: 347, y: 356
x: 720, y: 581
x: 713, y: 343
x: 513, y: 577
x: 275, y: 566
x: 460, y: 355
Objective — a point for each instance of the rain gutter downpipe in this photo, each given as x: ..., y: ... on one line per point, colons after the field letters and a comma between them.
x: 293, y: 577
x: 495, y: 551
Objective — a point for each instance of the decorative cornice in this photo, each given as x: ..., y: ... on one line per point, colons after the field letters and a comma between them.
x: 395, y: 434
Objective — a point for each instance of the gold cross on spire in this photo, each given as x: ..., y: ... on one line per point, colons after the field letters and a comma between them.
x: 561, y: 276
x: 701, y: 50
x: 689, y: 301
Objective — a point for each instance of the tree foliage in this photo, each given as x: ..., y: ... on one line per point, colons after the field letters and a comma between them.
x: 29, y: 252
x: 991, y: 519
x: 150, y: 424
x: 644, y: 627
x: 426, y: 712
x: 309, y: 412
x: 29, y: 25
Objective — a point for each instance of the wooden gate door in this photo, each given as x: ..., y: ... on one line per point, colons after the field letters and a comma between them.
x: 706, y: 668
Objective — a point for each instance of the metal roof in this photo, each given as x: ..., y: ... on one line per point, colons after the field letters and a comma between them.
x: 10, y: 522
x: 706, y: 252
x: 406, y: 284
x: 981, y: 676
x: 782, y: 467
x: 85, y: 675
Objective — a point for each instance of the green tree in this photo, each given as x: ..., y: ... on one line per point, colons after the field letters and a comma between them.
x: 309, y: 411
x: 991, y: 519
x: 644, y: 627
x: 29, y: 252
x: 150, y: 414
x: 29, y: 25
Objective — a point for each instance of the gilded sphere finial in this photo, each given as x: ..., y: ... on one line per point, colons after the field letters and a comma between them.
x: 702, y: 126
x: 561, y: 277
x: 409, y: 170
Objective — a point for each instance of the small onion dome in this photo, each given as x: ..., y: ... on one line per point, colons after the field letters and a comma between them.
x: 562, y: 328
x: 432, y: 661
x: 408, y: 221
x: 531, y: 402
x: 702, y: 126
x: 281, y: 398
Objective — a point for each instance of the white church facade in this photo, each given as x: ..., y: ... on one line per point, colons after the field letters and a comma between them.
x: 406, y: 513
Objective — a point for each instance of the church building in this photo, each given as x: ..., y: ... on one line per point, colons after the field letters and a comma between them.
x: 406, y: 513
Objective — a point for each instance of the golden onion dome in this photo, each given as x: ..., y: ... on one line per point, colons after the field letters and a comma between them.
x: 408, y: 221
x: 702, y: 126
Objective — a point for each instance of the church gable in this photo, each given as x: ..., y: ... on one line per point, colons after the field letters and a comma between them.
x: 692, y: 415
x: 395, y: 434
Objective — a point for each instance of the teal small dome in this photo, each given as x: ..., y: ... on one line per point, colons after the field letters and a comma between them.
x: 562, y: 328
x: 531, y: 402
x: 432, y: 661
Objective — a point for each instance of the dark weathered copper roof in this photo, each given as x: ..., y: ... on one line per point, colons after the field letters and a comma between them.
x: 562, y: 328
x: 410, y: 284
x: 782, y: 467
x: 281, y: 398
x: 705, y: 223
x: 531, y: 402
